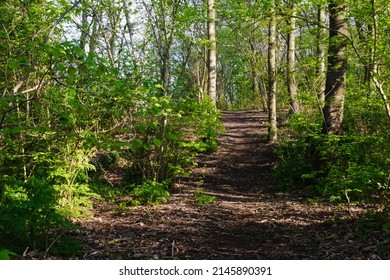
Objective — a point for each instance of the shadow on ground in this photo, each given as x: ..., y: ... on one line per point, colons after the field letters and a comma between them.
x: 249, y: 220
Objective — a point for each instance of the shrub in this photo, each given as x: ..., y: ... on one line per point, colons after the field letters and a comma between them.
x: 150, y: 192
x: 167, y: 133
x: 6, y: 254
x: 353, y: 168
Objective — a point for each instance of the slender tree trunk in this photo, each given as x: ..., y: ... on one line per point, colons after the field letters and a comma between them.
x: 212, y: 57
x: 291, y: 80
x: 365, y: 38
x: 337, y: 61
x: 272, y: 128
x: 84, y: 32
x: 374, y: 67
x: 381, y: 91
x: 321, y: 54
x: 130, y: 41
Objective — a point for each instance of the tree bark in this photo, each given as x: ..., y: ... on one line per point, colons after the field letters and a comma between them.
x: 291, y: 80
x: 272, y: 126
x: 321, y: 54
x: 373, y: 65
x: 212, y: 55
x: 333, y: 110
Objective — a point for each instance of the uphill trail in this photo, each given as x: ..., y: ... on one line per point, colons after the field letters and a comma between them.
x: 250, y: 218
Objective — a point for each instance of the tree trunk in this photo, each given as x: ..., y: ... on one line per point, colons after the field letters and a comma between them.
x: 272, y: 128
x: 212, y: 57
x: 337, y: 61
x: 291, y: 80
x: 373, y: 66
x: 84, y: 31
x: 321, y: 54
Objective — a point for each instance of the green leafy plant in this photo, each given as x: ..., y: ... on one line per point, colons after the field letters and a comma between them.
x: 66, y: 247
x: 6, y: 254
x: 150, y: 192
x: 202, y: 198
x: 349, y: 168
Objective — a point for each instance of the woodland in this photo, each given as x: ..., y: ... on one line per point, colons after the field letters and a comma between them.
x: 191, y: 129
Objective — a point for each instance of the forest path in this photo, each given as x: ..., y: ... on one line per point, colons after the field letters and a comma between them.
x: 248, y: 220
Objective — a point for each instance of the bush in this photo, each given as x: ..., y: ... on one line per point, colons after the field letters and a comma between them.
x: 47, y: 143
x: 167, y: 133
x: 150, y: 192
x: 351, y: 168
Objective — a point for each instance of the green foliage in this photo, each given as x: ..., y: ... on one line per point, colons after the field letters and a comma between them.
x: 150, y: 192
x: 206, y: 124
x: 303, y: 125
x: 65, y: 247
x: 46, y: 147
x: 107, y: 159
x: 202, y: 198
x: 165, y: 134
x: 364, y: 113
x: 351, y: 168
x: 6, y: 254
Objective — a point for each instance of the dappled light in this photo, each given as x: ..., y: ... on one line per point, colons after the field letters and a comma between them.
x: 218, y: 129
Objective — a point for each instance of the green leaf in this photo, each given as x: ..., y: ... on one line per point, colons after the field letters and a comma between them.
x: 172, y: 136
x: 386, y: 225
x: 79, y: 51
x: 204, y: 42
x: 160, y: 86
x: 14, y: 64
x: 146, y: 147
x: 72, y: 72
x: 137, y: 142
x: 5, y: 254
x: 157, y: 142
x: 64, y: 118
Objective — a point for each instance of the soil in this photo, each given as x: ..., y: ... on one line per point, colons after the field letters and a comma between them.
x: 250, y: 218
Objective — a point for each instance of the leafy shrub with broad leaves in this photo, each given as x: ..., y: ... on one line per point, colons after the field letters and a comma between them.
x: 86, y: 106
x: 46, y: 147
x: 150, y: 192
x: 347, y: 167
x: 167, y: 133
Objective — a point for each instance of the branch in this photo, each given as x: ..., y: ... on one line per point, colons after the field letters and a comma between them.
x: 13, y: 108
x: 34, y: 63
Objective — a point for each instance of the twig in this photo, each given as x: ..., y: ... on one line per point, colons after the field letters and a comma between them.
x: 173, y: 250
x: 35, y: 61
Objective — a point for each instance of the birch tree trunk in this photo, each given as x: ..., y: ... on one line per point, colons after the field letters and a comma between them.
x: 321, y: 54
x: 212, y: 55
x: 291, y: 80
x: 272, y: 128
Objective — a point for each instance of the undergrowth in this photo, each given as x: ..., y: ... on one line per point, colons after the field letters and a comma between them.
x: 46, y: 182
x: 348, y: 168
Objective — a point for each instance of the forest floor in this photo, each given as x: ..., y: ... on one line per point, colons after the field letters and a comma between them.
x: 250, y: 218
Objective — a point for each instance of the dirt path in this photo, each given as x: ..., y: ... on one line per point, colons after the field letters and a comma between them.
x: 248, y: 220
